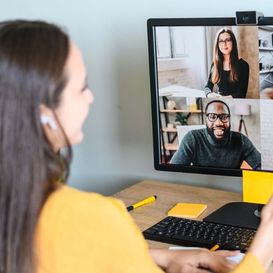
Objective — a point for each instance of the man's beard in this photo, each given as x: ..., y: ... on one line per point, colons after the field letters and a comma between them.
x: 221, y: 140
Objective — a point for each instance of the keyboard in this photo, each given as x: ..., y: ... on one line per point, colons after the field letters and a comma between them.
x: 185, y: 232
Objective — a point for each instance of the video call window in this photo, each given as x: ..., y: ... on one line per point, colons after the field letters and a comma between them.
x: 214, y: 91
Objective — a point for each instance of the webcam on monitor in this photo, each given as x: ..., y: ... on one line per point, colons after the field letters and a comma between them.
x: 248, y: 17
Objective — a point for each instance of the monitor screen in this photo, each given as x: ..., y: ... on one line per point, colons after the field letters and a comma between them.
x: 212, y: 90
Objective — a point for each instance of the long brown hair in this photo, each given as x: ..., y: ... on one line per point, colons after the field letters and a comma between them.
x: 218, y: 58
x: 32, y: 60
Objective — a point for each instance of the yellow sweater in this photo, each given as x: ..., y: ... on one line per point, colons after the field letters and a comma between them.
x: 86, y: 232
x: 80, y: 232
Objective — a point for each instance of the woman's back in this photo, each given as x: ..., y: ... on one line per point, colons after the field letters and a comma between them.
x: 78, y: 232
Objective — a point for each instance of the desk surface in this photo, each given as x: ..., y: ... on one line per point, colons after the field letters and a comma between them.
x: 168, y: 194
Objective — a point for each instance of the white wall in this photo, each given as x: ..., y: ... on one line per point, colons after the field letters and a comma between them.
x: 117, y: 150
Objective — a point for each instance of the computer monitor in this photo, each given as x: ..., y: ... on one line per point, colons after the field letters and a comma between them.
x: 212, y: 95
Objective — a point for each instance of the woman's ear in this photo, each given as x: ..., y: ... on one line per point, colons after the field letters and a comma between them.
x: 47, y: 117
x: 52, y: 132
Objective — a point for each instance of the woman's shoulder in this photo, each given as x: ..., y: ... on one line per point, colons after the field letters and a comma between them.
x: 73, y: 201
x: 243, y: 63
x: 63, y: 193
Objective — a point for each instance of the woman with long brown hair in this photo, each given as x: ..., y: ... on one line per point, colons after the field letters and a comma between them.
x: 46, y: 226
x: 228, y: 74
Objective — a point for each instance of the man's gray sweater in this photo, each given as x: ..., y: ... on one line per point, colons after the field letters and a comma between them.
x: 198, y: 148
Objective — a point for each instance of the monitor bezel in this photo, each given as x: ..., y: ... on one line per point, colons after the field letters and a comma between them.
x: 151, y: 24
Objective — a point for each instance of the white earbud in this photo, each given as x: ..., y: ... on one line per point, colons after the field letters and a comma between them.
x: 48, y: 120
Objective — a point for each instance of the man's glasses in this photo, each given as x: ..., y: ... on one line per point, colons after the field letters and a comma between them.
x: 212, y: 117
x: 226, y: 41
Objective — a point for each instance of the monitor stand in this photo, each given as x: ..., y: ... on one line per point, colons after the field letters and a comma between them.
x: 239, y: 214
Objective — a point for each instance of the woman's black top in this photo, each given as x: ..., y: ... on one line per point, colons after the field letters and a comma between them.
x: 225, y: 87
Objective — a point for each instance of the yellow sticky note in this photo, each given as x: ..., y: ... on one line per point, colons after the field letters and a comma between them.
x: 257, y: 186
x: 187, y: 210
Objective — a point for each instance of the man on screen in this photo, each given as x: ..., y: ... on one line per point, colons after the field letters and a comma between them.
x: 217, y: 145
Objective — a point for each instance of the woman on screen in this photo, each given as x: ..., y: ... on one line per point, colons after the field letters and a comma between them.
x: 47, y: 227
x: 228, y: 74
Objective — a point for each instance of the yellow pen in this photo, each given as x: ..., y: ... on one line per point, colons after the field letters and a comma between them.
x: 146, y: 201
x: 214, y: 248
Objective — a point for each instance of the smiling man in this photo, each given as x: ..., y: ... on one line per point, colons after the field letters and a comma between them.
x: 217, y: 145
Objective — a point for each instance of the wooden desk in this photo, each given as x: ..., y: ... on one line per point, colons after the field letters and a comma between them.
x: 168, y: 195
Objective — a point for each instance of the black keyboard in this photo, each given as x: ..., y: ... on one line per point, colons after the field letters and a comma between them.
x: 180, y: 231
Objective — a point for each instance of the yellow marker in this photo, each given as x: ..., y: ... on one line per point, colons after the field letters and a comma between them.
x: 146, y: 201
x: 214, y: 248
